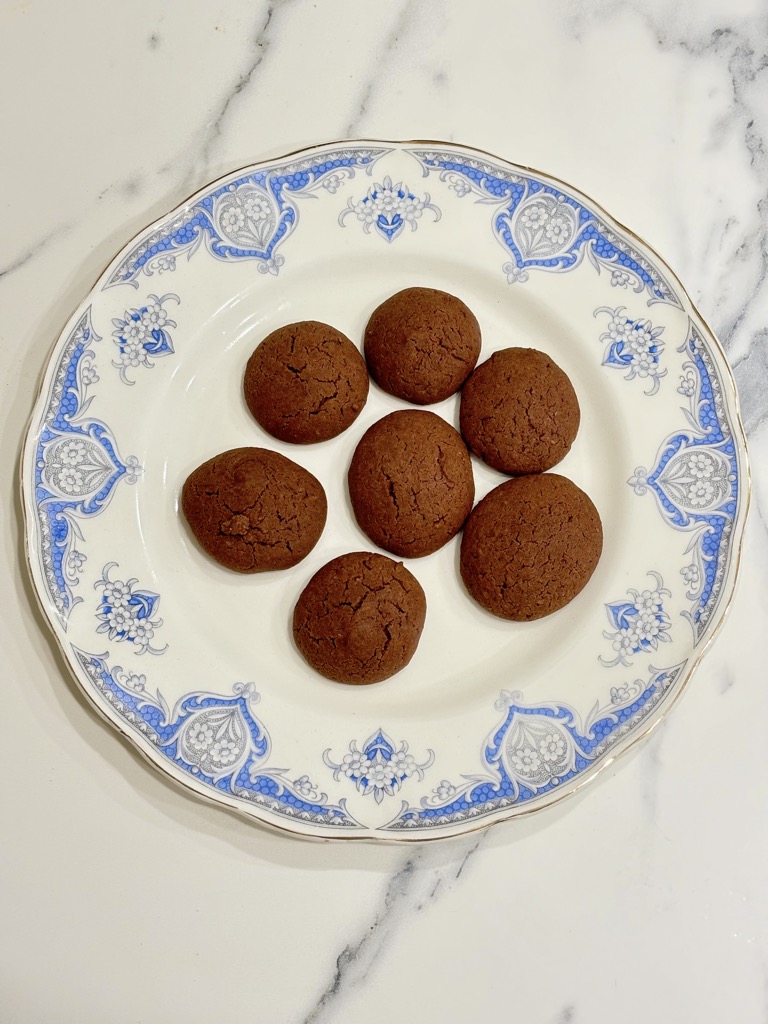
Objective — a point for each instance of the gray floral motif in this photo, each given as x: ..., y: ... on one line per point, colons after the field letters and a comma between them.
x: 272, y: 265
x: 216, y: 739
x: 544, y: 225
x: 444, y: 791
x: 306, y: 788
x: 640, y: 623
x: 332, y: 183
x: 126, y: 613
x: 388, y: 208
x: 380, y: 767
x: 142, y: 333
x: 246, y: 218
x: 76, y: 466
x: 515, y: 274
x: 134, y: 681
x: 625, y: 693
x: 687, y: 385
x: 693, y: 574
x: 620, y: 279
x: 76, y: 560
x: 538, y: 751
x: 690, y: 574
x: 245, y: 215
x: 633, y: 345
x: 165, y: 263
x: 88, y: 374
x: 697, y: 479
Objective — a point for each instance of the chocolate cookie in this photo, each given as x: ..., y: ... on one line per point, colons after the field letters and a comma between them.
x: 519, y: 411
x: 306, y: 382
x: 359, y: 618
x: 421, y: 345
x: 530, y: 546
x: 253, y: 510
x: 411, y: 483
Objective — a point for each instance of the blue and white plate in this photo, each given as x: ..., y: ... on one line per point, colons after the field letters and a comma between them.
x: 196, y: 664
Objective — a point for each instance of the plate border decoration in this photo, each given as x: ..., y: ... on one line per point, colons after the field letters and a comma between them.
x: 76, y: 468
x: 214, y: 744
x: 542, y: 225
x: 245, y: 215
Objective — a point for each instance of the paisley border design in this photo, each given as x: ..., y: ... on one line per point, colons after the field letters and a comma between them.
x: 544, y: 226
x: 77, y: 468
x: 242, y: 217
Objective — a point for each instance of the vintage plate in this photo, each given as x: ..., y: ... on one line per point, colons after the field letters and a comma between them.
x: 196, y: 665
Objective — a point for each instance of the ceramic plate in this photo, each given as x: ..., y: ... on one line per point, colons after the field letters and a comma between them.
x: 196, y: 665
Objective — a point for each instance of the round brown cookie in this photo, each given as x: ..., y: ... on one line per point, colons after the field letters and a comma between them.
x: 359, y: 618
x: 421, y: 345
x: 253, y: 510
x: 530, y: 546
x: 519, y: 411
x: 410, y: 483
x: 306, y: 382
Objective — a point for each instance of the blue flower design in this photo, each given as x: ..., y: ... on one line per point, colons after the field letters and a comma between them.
x: 142, y: 333
x: 388, y: 208
x: 640, y: 623
x: 125, y: 613
x: 380, y: 767
x: 634, y: 346
x: 215, y: 739
x: 246, y: 217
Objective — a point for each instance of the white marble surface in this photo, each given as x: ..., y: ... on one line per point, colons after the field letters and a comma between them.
x: 125, y: 900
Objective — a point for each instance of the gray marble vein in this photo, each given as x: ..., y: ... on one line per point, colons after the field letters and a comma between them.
x: 262, y: 41
x: 415, y: 885
x: 727, y: 680
x: 751, y: 373
x: 32, y: 252
x: 378, y: 61
x: 259, y: 49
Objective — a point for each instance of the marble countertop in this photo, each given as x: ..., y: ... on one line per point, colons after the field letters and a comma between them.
x: 644, y: 898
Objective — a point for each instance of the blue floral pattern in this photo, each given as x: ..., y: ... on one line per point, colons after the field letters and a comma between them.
x: 633, y: 345
x: 535, y: 750
x: 380, y: 767
x: 388, y: 208
x: 639, y: 624
x: 216, y: 739
x: 246, y: 218
x: 125, y: 613
x: 543, y: 227
x: 695, y: 481
x: 142, y: 333
x: 77, y: 468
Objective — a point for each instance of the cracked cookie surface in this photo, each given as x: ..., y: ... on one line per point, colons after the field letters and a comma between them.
x: 410, y: 483
x: 360, y: 617
x: 530, y: 546
x: 519, y: 412
x: 421, y: 344
x: 305, y: 382
x: 253, y: 510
